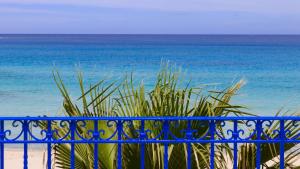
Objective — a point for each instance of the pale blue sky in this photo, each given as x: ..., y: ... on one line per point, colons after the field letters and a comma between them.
x: 151, y: 16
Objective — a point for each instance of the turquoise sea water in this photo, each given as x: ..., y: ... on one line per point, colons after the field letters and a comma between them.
x: 270, y: 65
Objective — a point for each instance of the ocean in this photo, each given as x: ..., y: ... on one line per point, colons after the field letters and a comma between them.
x: 269, y: 63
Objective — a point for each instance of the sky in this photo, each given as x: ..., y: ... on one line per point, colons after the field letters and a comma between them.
x: 150, y: 16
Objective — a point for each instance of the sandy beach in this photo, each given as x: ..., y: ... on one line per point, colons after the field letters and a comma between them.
x: 37, y: 159
x: 13, y: 158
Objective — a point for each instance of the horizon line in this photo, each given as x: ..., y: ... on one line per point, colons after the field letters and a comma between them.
x: 225, y: 34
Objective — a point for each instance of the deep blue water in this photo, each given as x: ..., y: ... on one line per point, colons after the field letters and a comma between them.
x: 270, y: 64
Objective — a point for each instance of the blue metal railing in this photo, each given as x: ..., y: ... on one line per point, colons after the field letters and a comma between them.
x: 148, y: 130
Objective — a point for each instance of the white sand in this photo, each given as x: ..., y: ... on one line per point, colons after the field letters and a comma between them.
x: 37, y: 159
x: 13, y: 158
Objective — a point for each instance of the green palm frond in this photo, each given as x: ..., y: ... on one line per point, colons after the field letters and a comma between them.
x: 96, y: 101
x: 168, y: 97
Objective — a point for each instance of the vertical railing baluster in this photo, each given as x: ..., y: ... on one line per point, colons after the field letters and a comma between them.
x: 282, y: 139
x: 166, y: 145
x: 189, y: 135
x: 258, y: 146
x: 142, y: 137
x: 166, y: 155
x: 49, y: 137
x: 212, y: 144
x: 1, y: 144
x: 119, y: 158
x: 25, y: 156
x: 73, y: 128
x: 96, y: 137
x: 189, y: 156
x: 235, y: 149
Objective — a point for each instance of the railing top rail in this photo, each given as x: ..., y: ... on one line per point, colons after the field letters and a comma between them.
x: 158, y: 118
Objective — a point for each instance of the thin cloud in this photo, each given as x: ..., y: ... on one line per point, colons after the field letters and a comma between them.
x: 259, y: 6
x: 145, y: 16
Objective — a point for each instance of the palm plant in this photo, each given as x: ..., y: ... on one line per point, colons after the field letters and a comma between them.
x: 101, y: 106
x: 167, y: 98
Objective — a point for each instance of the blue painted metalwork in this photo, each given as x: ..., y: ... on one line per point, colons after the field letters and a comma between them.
x: 49, y: 149
x: 166, y: 145
x: 235, y: 137
x: 212, y: 145
x: 282, y: 139
x: 189, y: 135
x: 120, y: 130
x: 258, y: 146
x: 25, y: 138
x: 142, y: 145
x: 1, y: 144
x: 236, y: 131
x: 96, y: 137
x: 72, y: 131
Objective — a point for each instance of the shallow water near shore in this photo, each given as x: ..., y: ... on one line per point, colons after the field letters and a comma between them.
x: 270, y: 64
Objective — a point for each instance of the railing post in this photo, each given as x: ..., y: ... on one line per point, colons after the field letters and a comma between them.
x: 166, y: 145
x: 258, y: 137
x: 96, y: 137
x: 1, y: 144
x: 142, y: 137
x: 282, y: 140
x: 72, y: 128
x: 49, y: 149
x: 235, y: 148
x: 119, y: 156
x: 25, y: 130
x: 189, y: 136
x: 212, y: 144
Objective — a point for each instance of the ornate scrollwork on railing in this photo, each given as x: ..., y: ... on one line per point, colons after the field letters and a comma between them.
x: 61, y: 130
x: 175, y: 130
x: 129, y: 130
x: 13, y: 136
x: 224, y: 130
x: 82, y: 131
x: 110, y: 131
x: 35, y: 131
x: 154, y: 131
x: 270, y: 129
x: 292, y: 131
x: 171, y: 129
x: 202, y: 130
x: 14, y: 131
x: 247, y: 130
